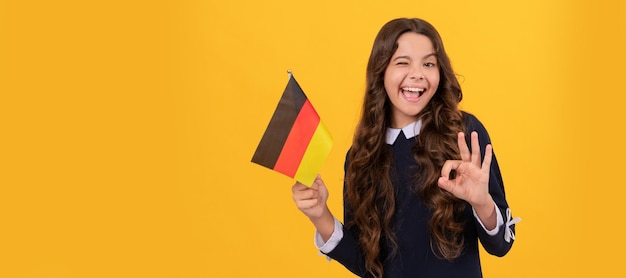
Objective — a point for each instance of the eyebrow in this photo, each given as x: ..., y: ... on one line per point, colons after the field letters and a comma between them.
x: 429, y: 55
x: 407, y: 57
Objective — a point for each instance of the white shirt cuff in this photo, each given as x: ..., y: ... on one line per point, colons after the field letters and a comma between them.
x: 500, y: 221
x: 333, y: 241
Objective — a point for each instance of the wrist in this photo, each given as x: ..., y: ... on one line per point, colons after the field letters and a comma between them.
x: 484, y: 207
x: 323, y: 215
x: 324, y: 223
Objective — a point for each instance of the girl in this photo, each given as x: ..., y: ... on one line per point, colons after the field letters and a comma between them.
x: 417, y: 198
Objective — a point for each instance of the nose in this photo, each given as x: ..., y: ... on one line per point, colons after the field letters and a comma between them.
x: 416, y: 73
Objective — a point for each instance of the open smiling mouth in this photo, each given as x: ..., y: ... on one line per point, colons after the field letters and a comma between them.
x: 413, y: 93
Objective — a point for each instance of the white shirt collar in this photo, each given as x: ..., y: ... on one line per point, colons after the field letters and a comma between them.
x: 410, y: 131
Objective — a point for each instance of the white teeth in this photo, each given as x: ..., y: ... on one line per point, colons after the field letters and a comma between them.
x: 413, y: 89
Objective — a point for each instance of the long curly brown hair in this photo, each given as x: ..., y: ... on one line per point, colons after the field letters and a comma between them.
x: 369, y: 191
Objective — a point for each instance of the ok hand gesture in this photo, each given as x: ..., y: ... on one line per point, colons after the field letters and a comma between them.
x: 471, y: 182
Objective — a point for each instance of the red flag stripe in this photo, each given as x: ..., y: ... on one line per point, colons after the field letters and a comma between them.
x: 298, y: 140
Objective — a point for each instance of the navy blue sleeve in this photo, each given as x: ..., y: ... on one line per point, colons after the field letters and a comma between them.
x: 495, y: 245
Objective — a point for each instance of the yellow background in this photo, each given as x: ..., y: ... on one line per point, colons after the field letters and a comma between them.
x: 127, y: 129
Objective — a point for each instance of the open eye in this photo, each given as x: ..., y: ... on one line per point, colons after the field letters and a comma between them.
x: 429, y: 64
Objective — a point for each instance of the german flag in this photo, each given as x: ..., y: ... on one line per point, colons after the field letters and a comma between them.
x: 295, y: 143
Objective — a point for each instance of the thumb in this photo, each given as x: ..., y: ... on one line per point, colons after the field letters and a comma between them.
x: 318, y: 182
x: 444, y: 183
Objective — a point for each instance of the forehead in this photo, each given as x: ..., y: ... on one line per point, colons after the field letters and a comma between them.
x: 414, y: 43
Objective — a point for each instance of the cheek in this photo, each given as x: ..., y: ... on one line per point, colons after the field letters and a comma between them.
x: 392, y: 79
x: 434, y: 80
x: 388, y: 81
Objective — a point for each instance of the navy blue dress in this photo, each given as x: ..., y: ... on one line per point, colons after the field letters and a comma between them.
x: 414, y: 257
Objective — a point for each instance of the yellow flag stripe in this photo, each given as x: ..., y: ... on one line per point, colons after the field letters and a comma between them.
x: 315, y: 155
